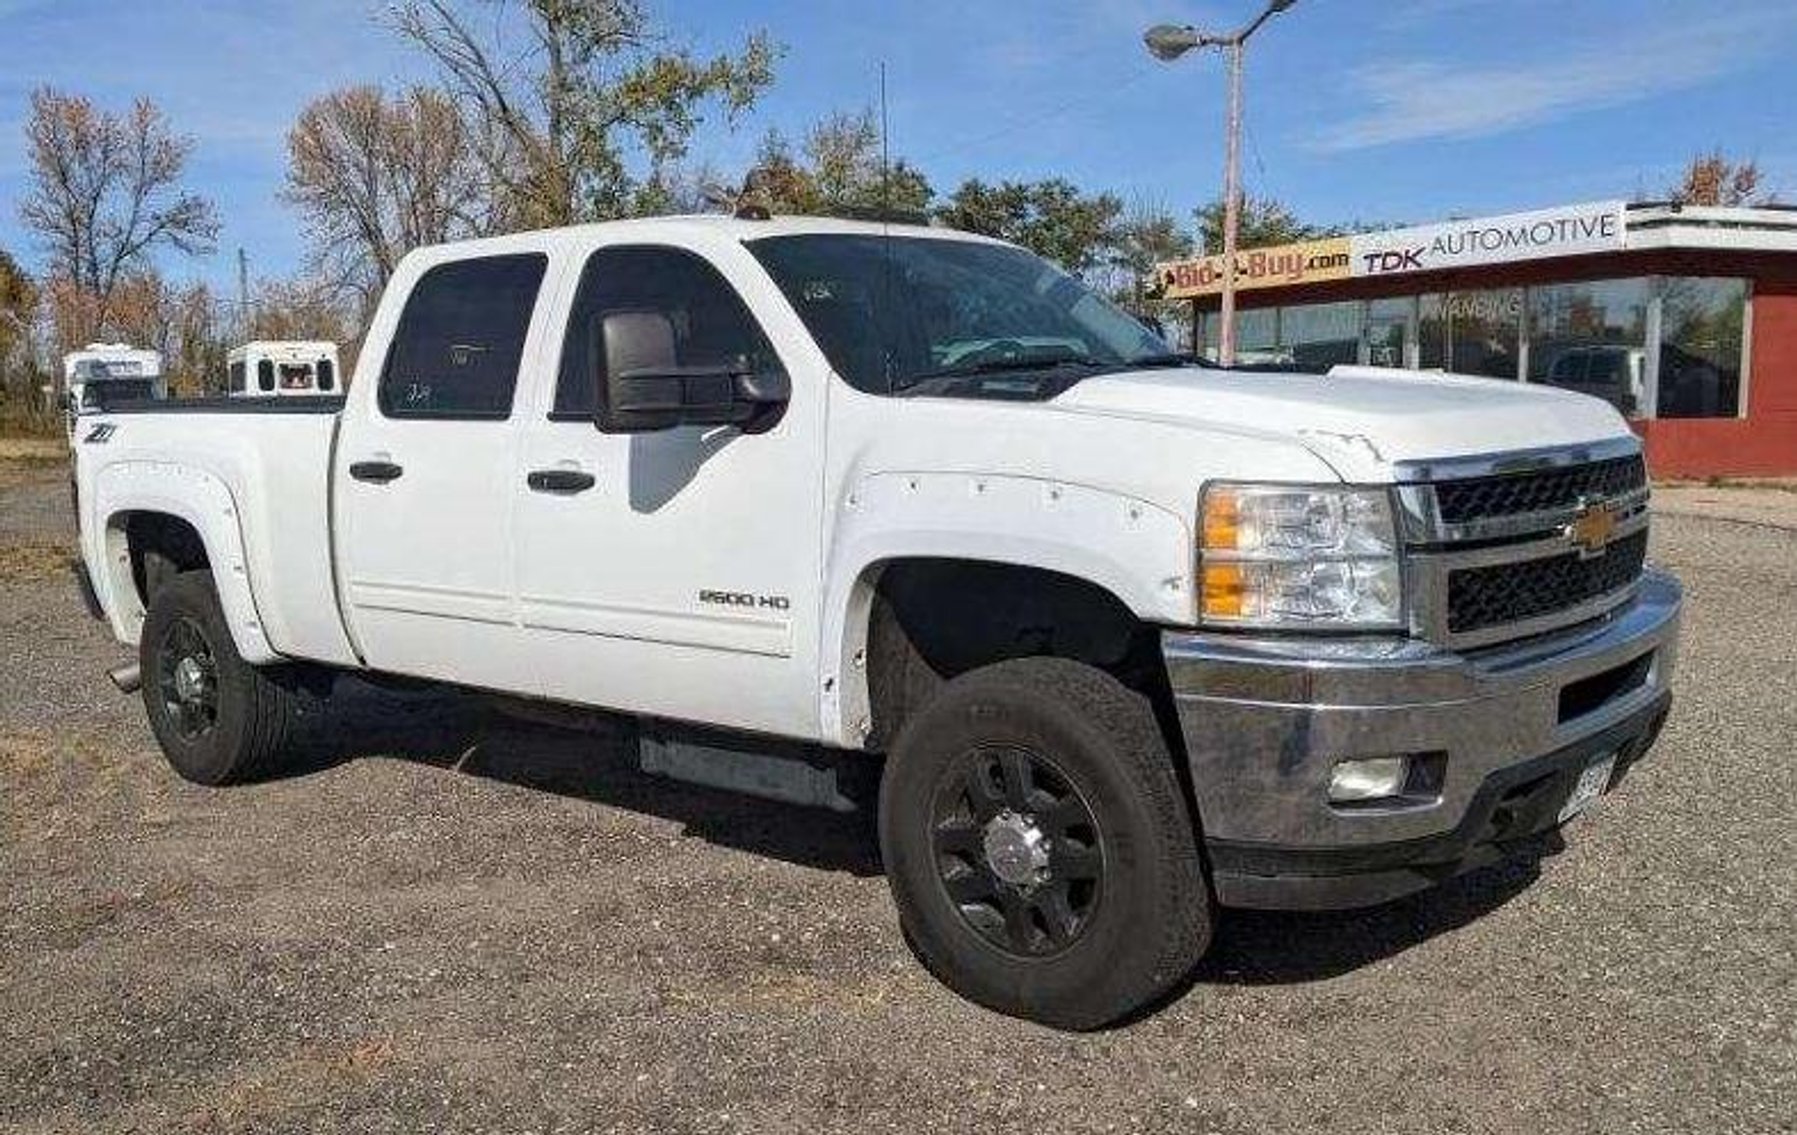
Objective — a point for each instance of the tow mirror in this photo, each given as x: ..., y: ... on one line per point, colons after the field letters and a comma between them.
x: 645, y: 389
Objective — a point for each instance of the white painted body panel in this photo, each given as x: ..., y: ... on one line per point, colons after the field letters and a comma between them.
x: 457, y: 571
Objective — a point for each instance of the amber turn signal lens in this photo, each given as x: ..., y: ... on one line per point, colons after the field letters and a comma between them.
x: 1222, y: 521
x: 1223, y: 591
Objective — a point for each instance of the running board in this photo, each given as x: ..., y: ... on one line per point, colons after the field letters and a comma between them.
x: 128, y: 677
x: 806, y: 775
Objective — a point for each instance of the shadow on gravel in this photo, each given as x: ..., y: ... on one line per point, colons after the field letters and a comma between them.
x: 582, y: 756
x: 592, y: 758
x: 1279, y: 948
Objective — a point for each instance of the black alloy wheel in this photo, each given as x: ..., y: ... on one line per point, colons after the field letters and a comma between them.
x: 1018, y: 850
x: 187, y: 679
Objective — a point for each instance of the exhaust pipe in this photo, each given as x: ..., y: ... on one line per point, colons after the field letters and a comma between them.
x: 127, y: 677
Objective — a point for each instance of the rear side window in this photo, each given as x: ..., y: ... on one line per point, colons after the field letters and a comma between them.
x: 237, y: 377
x: 327, y: 374
x: 455, y: 353
x: 711, y: 325
x: 265, y: 374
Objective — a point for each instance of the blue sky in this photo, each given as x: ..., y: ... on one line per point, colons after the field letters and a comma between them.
x: 1377, y: 110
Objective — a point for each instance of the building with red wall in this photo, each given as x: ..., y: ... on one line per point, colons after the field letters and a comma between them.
x: 1684, y: 318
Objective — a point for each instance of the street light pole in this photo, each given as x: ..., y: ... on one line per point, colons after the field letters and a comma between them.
x: 1232, y: 205
x: 1168, y: 42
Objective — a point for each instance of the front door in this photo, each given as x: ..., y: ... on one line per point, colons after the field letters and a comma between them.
x: 677, y: 572
x: 1388, y: 340
x: 423, y: 480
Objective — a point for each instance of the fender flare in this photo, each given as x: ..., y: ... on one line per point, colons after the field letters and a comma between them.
x: 201, y: 500
x: 1136, y: 551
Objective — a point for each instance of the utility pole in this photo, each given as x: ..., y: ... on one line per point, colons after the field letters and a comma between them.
x: 243, y: 293
x: 1168, y: 42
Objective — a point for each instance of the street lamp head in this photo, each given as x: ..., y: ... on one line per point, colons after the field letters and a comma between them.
x: 1168, y: 42
x: 1280, y: 5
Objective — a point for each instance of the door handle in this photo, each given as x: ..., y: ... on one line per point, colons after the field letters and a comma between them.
x: 380, y: 472
x: 560, y: 481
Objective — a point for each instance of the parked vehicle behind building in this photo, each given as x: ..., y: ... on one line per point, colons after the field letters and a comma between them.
x: 280, y: 369
x: 1125, y: 638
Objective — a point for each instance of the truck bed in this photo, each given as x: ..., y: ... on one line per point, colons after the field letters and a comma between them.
x: 251, y: 474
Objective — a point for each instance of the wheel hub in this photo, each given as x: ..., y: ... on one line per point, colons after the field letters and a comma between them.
x: 1016, y: 849
x: 190, y: 679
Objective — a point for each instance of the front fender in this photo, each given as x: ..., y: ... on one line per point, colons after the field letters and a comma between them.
x: 1137, y: 551
x: 204, y: 502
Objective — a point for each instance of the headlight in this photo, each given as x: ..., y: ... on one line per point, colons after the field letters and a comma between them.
x: 1296, y: 558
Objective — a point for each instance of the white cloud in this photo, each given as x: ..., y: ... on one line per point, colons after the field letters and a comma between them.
x: 1417, y: 100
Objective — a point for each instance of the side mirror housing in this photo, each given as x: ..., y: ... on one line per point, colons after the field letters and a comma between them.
x: 645, y: 389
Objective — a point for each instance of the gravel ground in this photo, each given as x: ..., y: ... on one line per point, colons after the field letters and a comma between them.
x: 453, y: 922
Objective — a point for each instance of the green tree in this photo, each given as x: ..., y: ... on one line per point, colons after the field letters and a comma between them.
x: 1264, y: 222
x: 563, y: 93
x: 1051, y: 218
x: 1148, y: 234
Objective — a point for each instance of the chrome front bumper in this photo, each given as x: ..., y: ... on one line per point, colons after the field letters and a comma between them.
x: 1265, y: 721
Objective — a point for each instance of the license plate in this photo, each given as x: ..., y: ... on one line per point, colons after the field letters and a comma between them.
x: 1591, y: 785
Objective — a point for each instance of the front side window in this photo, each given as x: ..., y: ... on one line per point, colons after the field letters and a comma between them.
x: 456, y: 351
x: 920, y: 315
x: 705, y: 318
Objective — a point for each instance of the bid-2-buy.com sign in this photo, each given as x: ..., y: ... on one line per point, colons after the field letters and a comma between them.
x: 1569, y: 231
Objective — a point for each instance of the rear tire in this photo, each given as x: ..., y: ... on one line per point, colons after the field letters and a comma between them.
x: 1039, y: 847
x: 218, y: 719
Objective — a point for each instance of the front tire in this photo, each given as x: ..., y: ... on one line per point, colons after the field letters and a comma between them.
x: 218, y: 719
x: 1039, y: 847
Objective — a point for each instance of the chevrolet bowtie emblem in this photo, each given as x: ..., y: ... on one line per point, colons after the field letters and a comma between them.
x: 1591, y: 528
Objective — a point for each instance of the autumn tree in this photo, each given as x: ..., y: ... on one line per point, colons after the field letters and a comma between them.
x: 374, y: 176
x: 18, y: 316
x: 1712, y: 179
x: 1051, y: 218
x: 105, y: 194
x: 564, y: 94
x: 841, y: 167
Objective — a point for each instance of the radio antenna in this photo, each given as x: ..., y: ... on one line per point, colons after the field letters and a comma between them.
x: 885, y: 156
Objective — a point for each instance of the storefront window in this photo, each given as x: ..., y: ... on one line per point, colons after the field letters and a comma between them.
x: 1471, y: 332
x: 1702, y: 328
x: 1592, y: 337
x: 1256, y: 335
x: 1320, y: 335
x: 1390, y: 330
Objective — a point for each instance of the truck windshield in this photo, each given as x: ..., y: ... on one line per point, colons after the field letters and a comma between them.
x: 915, y: 315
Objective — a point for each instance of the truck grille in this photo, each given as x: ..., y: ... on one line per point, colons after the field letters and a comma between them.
x: 1484, y: 597
x: 1512, y: 494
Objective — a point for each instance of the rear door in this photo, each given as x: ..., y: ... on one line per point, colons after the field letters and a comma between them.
x: 424, y: 478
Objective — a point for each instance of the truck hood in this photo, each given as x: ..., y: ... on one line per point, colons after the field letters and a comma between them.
x: 1361, y: 420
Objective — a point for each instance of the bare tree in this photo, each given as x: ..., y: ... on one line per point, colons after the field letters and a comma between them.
x: 579, y: 86
x: 375, y: 176
x: 1712, y: 179
x: 106, y: 194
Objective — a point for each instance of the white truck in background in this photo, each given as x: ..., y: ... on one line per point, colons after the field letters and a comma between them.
x: 103, y: 373
x: 267, y: 368
x: 1125, y: 638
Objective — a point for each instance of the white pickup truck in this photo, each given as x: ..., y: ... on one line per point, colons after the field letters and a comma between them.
x: 1126, y: 638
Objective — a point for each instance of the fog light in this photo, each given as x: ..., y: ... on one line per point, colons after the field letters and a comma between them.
x: 1371, y: 778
